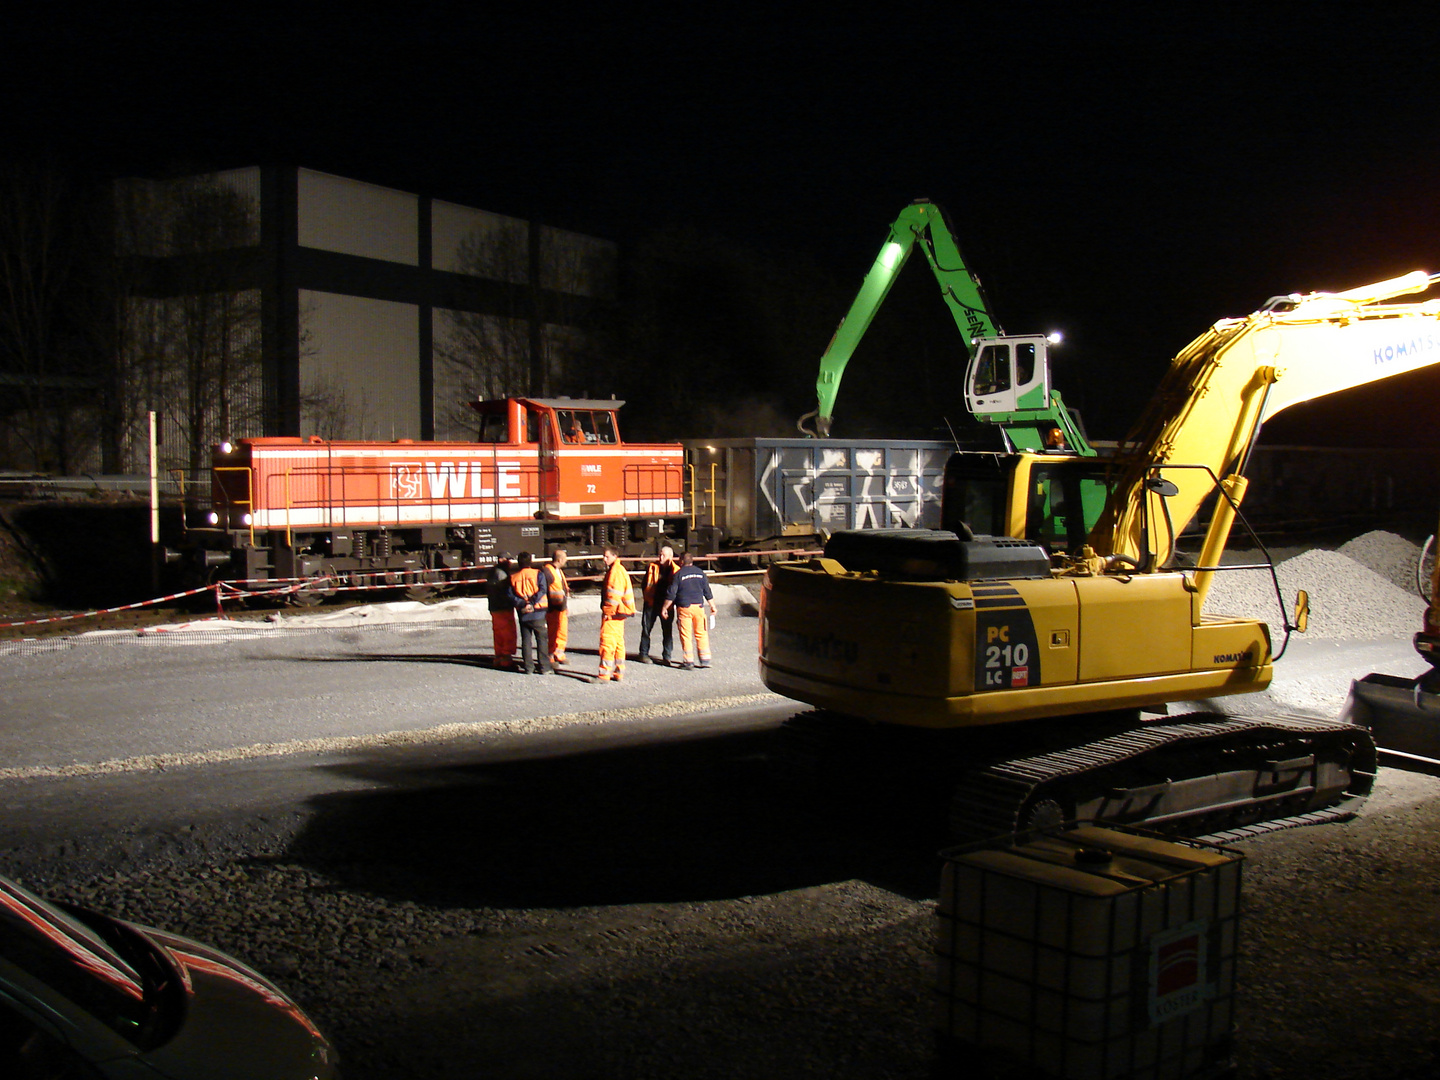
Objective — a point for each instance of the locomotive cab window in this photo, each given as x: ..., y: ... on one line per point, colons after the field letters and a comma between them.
x: 571, y: 430
x: 604, y: 427
x: 494, y: 428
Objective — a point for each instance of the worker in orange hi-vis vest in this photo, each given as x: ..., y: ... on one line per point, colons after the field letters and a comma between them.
x: 689, y: 596
x: 557, y: 615
x: 530, y: 592
x: 502, y: 611
x: 617, y: 603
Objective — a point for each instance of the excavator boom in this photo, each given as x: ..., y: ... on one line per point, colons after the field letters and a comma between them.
x: 1204, y: 418
x: 924, y: 223
x: 1007, y: 379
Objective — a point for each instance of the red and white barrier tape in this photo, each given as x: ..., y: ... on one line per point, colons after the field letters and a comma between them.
x: 260, y: 588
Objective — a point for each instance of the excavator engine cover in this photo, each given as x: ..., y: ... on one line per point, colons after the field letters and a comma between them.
x: 937, y: 555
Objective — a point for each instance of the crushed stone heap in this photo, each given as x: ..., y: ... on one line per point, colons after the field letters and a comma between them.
x: 1357, y: 591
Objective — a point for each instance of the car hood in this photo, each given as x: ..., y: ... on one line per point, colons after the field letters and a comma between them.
x: 237, y: 1024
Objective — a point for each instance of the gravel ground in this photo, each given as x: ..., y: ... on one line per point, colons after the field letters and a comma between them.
x: 1340, y: 956
x: 677, y: 917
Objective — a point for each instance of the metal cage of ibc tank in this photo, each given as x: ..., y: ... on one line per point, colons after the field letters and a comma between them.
x: 1088, y: 953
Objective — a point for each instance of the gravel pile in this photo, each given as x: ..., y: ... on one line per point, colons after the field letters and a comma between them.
x: 1354, y: 592
x: 1392, y: 557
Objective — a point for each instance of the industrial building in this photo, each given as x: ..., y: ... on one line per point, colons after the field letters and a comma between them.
x: 285, y: 301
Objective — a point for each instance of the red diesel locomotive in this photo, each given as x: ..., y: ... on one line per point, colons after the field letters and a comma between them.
x: 545, y: 473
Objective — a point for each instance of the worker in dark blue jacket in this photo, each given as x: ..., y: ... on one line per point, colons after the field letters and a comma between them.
x: 688, y: 597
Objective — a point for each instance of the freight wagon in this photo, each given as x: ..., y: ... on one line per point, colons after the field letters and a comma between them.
x: 789, y: 494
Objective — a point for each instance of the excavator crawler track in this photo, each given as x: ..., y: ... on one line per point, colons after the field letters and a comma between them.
x: 1192, y: 774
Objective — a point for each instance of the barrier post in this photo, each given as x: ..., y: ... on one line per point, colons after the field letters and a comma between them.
x: 156, y: 557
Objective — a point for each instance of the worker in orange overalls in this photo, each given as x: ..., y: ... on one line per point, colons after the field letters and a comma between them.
x: 502, y: 611
x: 688, y: 597
x: 617, y: 603
x: 557, y: 615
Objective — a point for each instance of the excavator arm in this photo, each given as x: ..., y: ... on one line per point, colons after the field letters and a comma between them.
x: 1007, y: 379
x: 923, y: 223
x: 1203, y: 421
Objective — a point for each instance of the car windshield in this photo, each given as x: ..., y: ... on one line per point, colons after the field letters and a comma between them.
x: 72, y: 960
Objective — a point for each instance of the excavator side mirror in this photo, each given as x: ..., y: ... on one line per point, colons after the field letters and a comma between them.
x: 1160, y: 486
x: 1302, y: 610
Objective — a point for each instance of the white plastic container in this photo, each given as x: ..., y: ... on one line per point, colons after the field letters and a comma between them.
x: 1088, y: 953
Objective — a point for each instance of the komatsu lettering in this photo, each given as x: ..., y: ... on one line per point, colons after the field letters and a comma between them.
x: 1234, y: 658
x: 819, y: 646
x: 1388, y: 354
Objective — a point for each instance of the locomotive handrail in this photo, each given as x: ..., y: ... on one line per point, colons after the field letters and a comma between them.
x: 249, y: 500
x: 639, y: 486
x: 713, y: 500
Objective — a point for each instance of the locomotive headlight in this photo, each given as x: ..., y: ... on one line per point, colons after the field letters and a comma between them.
x: 245, y: 519
x: 227, y: 448
x: 213, y: 518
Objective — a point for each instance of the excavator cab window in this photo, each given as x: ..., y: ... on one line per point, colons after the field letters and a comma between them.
x: 1024, y: 362
x: 992, y: 369
x: 974, y: 495
x: 1065, y: 500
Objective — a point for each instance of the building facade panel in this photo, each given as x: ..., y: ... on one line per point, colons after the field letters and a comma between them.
x: 359, y: 365
x: 577, y: 264
x: 480, y: 243
x: 355, y: 218
x: 477, y: 358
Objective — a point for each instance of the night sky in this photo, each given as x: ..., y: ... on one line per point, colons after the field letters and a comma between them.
x: 1125, y: 173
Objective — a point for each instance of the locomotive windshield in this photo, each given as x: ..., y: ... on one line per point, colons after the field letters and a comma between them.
x: 586, y: 426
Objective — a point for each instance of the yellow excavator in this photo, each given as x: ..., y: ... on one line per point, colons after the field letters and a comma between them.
x: 1022, y: 652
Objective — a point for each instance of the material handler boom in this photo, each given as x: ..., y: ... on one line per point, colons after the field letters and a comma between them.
x: 1007, y: 378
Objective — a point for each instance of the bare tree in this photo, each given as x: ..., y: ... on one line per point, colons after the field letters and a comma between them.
x: 481, y: 356
x: 190, y: 350
x: 48, y: 333
x: 511, y: 349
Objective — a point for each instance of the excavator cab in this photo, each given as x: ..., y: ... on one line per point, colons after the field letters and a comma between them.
x: 1007, y: 383
x: 1006, y: 375
x: 1053, y: 500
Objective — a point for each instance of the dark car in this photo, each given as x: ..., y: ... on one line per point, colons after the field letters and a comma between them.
x: 83, y: 995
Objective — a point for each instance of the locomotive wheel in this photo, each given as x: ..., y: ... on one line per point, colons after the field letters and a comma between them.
x: 313, y: 591
x: 424, y: 584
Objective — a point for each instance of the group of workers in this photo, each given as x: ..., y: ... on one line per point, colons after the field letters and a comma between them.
x: 530, y: 602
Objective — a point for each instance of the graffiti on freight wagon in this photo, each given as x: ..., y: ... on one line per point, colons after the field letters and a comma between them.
x: 857, y: 488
